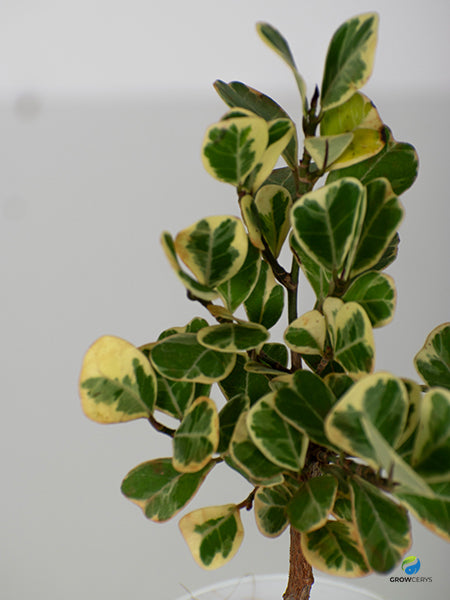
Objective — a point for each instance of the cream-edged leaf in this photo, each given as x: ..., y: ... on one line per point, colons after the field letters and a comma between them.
x: 433, y: 360
x: 307, y: 333
x: 233, y: 337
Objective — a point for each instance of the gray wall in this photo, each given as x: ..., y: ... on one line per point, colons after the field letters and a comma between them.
x: 103, y: 106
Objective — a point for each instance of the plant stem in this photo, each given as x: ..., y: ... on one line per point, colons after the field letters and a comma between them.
x: 300, y: 572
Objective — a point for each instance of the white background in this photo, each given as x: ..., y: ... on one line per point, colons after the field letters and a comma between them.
x: 103, y: 106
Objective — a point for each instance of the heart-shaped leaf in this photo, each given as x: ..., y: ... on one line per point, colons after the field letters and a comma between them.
x: 433, y: 360
x: 354, y: 346
x: 213, y: 534
x: 270, y: 508
x: 376, y: 293
x: 237, y: 289
x: 307, y: 333
x: 312, y: 503
x: 233, y: 337
x: 265, y: 303
x: 117, y: 382
x: 273, y: 204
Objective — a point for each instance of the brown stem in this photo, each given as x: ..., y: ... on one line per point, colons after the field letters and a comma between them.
x: 300, y: 571
x: 160, y: 427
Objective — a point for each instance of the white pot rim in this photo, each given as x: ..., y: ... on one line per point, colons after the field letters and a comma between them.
x: 275, y: 576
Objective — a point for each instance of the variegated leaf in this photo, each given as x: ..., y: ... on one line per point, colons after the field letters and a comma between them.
x: 327, y: 222
x: 265, y: 303
x: 280, y: 132
x: 349, y: 60
x: 433, y: 512
x: 228, y: 418
x: 376, y: 293
x: 197, y: 289
x: 317, y: 276
x: 273, y: 38
x: 197, y: 437
x: 431, y: 454
x: 237, y: 94
x: 182, y: 358
x: 281, y: 443
x: 233, y: 337
x: 161, y: 491
x: 214, y: 248
x: 354, y: 346
x: 307, y: 333
x: 233, y: 147
x: 174, y: 397
x: 237, y: 289
x: 273, y: 204
x: 213, y: 534
x: 117, y: 382
x: 382, y: 524
x: 397, y: 162
x: 414, y: 403
x: 305, y: 403
x: 270, y: 508
x: 241, y: 382
x: 312, y: 503
x: 335, y: 549
x: 433, y: 360
x: 326, y: 149
x: 383, y: 400
x: 250, y: 460
x: 384, y: 213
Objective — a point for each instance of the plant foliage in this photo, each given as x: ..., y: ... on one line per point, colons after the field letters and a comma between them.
x: 339, y: 452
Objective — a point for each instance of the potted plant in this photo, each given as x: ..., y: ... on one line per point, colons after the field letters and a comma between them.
x: 332, y: 450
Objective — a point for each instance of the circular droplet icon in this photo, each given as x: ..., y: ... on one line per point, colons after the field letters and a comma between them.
x: 411, y: 565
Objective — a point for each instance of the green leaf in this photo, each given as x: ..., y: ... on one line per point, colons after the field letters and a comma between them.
x: 317, y: 276
x: 358, y: 116
x: 241, y: 382
x: 285, y: 178
x: 307, y: 333
x: 273, y: 38
x: 228, y: 418
x: 197, y: 437
x: 390, y: 254
x: 431, y: 454
x: 181, y: 357
x: 174, y: 397
x: 213, y: 534
x: 383, y: 400
x: 161, y: 491
x: 214, y: 248
x: 382, y: 524
x: 383, y: 216
x: 376, y: 293
x: 270, y: 508
x: 339, y: 383
x: 433, y: 360
x: 281, y: 443
x: 265, y: 303
x: 311, y: 505
x: 335, y: 549
x: 327, y: 149
x: 349, y: 60
x: 354, y: 346
x: 414, y: 403
x: 237, y: 94
x: 397, y: 162
x: 117, y: 382
x: 237, y: 289
x: 250, y: 460
x: 273, y: 204
x: 233, y: 147
x: 327, y: 222
x: 233, y: 337
x: 434, y: 513
x: 305, y: 404
x: 197, y: 289
x: 280, y: 132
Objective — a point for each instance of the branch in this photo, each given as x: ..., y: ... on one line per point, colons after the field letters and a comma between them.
x: 248, y: 502
x: 160, y: 427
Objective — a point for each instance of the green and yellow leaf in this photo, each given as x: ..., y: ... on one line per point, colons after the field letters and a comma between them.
x: 327, y: 149
x: 312, y: 503
x: 214, y: 249
x: 376, y: 293
x: 307, y: 333
x: 117, y: 382
x: 161, y: 491
x: 327, y: 222
x: 433, y: 512
x: 213, y: 534
x: 273, y: 204
x: 183, y: 358
x: 233, y: 147
x: 281, y: 132
x: 382, y: 524
x: 433, y: 360
x: 354, y: 346
x: 270, y: 508
x: 349, y: 60
x: 233, y: 337
x: 265, y: 303
x: 335, y: 549
x: 236, y: 290
x: 281, y: 443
